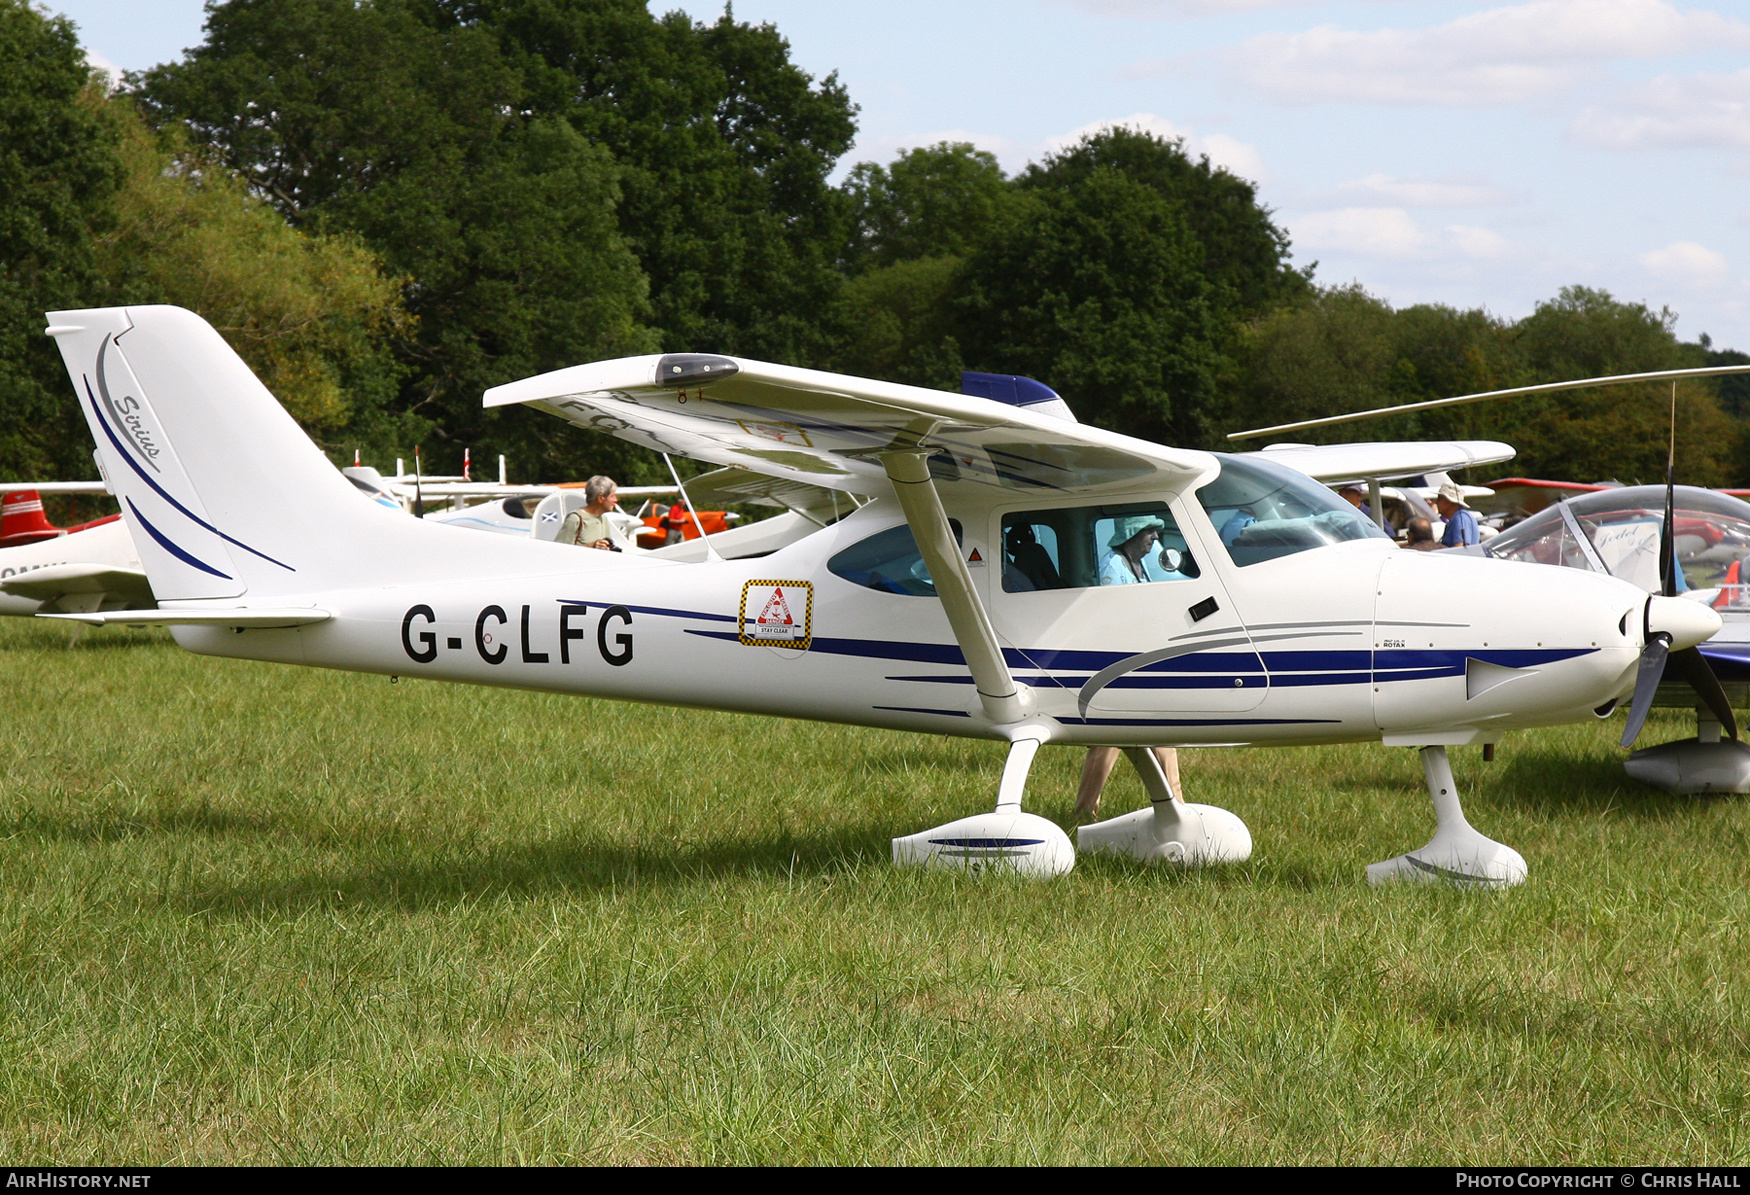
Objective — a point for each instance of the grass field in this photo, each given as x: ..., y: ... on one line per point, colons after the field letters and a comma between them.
x: 258, y: 914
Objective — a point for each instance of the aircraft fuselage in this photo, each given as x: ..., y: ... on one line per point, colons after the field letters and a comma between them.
x: 1348, y: 642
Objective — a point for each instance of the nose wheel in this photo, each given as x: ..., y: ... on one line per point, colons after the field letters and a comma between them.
x: 1457, y: 854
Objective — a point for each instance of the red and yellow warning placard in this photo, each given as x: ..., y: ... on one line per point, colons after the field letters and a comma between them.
x: 777, y: 613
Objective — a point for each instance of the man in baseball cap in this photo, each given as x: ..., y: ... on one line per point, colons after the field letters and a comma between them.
x: 1461, y: 524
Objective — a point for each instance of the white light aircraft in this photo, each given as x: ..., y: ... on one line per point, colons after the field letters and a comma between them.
x: 1252, y: 606
x: 46, y: 568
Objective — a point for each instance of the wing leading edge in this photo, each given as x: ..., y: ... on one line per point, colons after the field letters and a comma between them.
x: 831, y: 430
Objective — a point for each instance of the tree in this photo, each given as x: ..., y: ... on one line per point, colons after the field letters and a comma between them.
x: 941, y: 201
x: 897, y: 323
x: 1244, y: 255
x: 1097, y: 290
x: 1621, y: 432
x: 562, y: 180
x: 312, y: 314
x: 58, y: 170
x: 393, y: 122
x: 1344, y: 350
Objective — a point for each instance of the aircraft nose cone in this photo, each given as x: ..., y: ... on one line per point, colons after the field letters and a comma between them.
x: 1688, y: 623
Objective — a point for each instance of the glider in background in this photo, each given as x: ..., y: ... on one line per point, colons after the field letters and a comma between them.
x: 1012, y: 576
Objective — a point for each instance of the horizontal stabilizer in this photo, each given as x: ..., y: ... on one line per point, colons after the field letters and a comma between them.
x: 242, y: 616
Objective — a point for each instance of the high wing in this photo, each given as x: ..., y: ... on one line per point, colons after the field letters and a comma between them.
x: 831, y: 430
x: 1386, y: 460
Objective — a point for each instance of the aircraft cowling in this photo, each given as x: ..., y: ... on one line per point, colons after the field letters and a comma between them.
x: 1488, y: 643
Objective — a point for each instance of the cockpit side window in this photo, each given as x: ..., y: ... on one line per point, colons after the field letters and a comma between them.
x: 888, y: 561
x: 1262, y: 510
x: 1084, y: 546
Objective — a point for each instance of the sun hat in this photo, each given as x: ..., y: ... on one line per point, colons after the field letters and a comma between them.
x: 1454, y: 495
x: 1128, y: 527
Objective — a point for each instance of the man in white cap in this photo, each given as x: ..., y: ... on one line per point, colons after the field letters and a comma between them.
x: 1461, y: 524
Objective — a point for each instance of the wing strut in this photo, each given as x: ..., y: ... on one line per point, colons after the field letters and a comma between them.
x: 910, y: 474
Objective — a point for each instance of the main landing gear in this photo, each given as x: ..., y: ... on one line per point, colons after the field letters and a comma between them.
x: 1457, y: 854
x: 1173, y: 831
x: 1007, y: 839
x: 1169, y: 831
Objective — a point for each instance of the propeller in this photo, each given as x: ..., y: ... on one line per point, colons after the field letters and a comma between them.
x: 1691, y: 665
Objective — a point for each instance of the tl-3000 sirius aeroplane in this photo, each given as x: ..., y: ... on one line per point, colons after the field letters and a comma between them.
x: 1017, y: 576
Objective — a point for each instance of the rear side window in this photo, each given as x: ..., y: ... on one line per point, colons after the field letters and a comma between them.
x: 888, y: 561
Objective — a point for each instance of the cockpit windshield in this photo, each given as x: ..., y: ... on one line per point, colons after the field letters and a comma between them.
x: 1617, y: 531
x: 1262, y: 510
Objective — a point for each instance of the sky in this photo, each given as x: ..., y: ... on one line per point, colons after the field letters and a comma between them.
x: 1471, y: 153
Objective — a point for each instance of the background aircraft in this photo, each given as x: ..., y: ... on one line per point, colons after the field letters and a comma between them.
x: 1617, y: 530
x: 44, y: 568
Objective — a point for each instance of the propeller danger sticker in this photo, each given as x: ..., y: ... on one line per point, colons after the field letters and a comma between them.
x: 777, y: 613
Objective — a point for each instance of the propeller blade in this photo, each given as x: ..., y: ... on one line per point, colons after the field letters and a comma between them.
x: 1646, y: 685
x: 1692, y: 666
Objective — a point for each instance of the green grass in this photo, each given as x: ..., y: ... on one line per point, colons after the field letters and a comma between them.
x: 258, y: 914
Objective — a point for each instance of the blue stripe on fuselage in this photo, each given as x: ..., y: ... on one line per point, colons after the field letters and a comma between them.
x: 1213, y: 669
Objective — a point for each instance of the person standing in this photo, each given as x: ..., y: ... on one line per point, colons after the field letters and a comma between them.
x: 1461, y: 524
x: 588, y: 527
x: 1097, y: 767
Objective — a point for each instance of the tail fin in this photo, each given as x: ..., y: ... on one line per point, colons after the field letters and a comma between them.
x: 222, y: 491
x: 22, y: 520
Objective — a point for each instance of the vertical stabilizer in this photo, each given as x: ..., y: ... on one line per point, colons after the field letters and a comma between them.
x: 222, y: 491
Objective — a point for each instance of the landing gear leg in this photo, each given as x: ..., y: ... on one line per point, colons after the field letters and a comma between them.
x: 1457, y: 854
x: 1006, y: 839
x: 1169, y: 830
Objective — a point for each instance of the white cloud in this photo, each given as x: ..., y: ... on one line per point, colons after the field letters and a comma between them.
x: 1391, y: 233
x: 1235, y: 156
x: 1674, y: 111
x: 1687, y: 263
x: 1500, y: 56
x: 1451, y: 191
